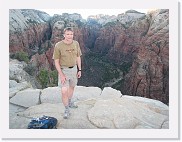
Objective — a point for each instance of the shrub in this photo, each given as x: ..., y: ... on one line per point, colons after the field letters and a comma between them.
x: 43, y: 77
x: 53, y: 78
x: 21, y: 56
x: 48, y: 78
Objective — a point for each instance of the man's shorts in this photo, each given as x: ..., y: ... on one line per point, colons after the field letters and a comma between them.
x: 71, y: 77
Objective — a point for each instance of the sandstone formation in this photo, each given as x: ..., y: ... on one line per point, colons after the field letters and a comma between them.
x: 149, y: 74
x: 28, y: 30
x: 98, y: 108
x: 106, y: 109
x: 17, y: 72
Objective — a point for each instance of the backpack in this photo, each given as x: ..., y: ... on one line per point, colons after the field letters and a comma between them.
x: 45, y: 122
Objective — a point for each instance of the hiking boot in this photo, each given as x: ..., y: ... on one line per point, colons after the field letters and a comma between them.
x: 73, y: 105
x: 66, y: 114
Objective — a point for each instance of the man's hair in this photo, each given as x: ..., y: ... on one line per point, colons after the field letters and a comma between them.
x: 68, y: 29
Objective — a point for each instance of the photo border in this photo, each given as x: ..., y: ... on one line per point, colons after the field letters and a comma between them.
x: 171, y: 133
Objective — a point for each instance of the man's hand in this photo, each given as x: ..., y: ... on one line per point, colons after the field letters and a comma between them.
x: 79, y: 74
x: 63, y: 78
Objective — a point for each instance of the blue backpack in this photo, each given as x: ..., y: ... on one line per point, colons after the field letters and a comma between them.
x: 45, y: 122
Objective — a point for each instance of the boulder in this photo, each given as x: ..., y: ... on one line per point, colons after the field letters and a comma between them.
x: 16, y: 122
x: 51, y: 95
x: 12, y: 83
x: 125, y: 113
x: 26, y: 98
x: 17, y: 73
x: 83, y: 93
x: 109, y: 93
x: 16, y: 87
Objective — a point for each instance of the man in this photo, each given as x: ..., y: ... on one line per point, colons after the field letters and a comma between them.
x: 68, y: 64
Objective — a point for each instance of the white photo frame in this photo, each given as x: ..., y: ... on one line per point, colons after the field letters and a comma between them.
x: 166, y: 134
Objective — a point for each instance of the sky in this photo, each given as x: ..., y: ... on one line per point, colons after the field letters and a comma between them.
x: 87, y: 12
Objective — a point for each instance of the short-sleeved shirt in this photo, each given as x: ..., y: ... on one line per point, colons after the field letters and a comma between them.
x: 67, y: 53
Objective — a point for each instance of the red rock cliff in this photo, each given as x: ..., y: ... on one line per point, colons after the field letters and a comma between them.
x: 149, y: 74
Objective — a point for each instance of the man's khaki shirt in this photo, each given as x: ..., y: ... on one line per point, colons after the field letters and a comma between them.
x: 67, y: 53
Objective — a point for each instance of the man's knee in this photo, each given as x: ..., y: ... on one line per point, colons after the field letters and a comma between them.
x: 71, y: 87
x: 64, y: 91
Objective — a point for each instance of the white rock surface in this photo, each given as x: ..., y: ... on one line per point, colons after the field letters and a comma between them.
x: 51, y: 95
x: 110, y: 93
x: 83, y: 93
x: 12, y: 83
x: 125, y: 113
x: 16, y: 87
x: 97, y: 109
x: 26, y: 98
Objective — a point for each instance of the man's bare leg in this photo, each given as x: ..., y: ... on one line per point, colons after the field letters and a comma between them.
x: 71, y: 104
x: 65, y: 100
x: 71, y: 90
x: 65, y: 96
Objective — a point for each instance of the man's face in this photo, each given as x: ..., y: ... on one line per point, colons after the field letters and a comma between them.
x: 68, y: 35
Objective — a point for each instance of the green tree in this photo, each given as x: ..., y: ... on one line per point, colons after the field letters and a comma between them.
x: 21, y: 56
x: 53, y: 78
x: 43, y: 77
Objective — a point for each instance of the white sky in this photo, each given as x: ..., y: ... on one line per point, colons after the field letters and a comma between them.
x: 87, y: 12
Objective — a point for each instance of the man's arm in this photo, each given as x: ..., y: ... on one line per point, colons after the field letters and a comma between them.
x: 79, y: 66
x: 79, y: 63
x: 58, y: 67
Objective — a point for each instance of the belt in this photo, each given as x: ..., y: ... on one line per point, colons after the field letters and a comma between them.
x: 67, y: 67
